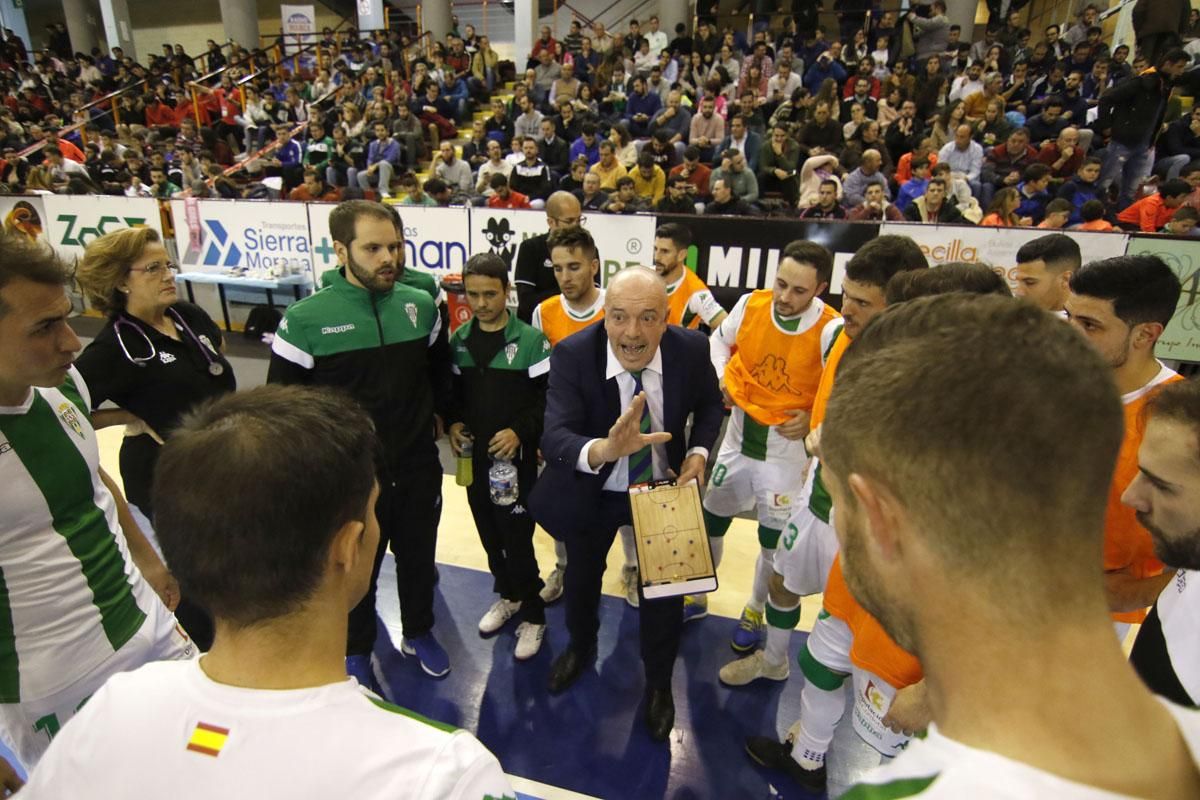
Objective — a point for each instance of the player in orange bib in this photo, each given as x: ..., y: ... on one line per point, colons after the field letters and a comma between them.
x: 689, y: 300
x: 769, y: 353
x: 1122, y: 305
x: 808, y: 544
x: 580, y: 303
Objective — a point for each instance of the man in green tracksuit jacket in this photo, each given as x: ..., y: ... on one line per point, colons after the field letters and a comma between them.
x: 500, y: 367
x: 383, y: 343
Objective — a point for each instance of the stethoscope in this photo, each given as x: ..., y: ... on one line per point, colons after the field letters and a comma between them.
x: 215, y: 367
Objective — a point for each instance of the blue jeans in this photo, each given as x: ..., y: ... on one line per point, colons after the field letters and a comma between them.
x: 1171, y: 166
x: 1125, y: 165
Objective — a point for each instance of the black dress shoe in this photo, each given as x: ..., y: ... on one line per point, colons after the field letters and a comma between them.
x: 660, y: 713
x: 778, y: 755
x: 567, y: 668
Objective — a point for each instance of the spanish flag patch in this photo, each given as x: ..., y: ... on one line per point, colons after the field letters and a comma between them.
x: 208, y: 739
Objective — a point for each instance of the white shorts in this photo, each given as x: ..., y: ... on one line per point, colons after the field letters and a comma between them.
x: 807, y: 547
x: 829, y: 644
x: 739, y: 483
x: 27, y: 727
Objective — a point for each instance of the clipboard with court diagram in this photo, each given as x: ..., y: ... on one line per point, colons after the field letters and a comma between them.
x: 674, y: 557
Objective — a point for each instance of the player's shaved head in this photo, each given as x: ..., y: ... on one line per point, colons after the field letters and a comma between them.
x: 1010, y: 504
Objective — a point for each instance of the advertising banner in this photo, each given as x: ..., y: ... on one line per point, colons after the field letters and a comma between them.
x: 622, y: 240
x: 997, y: 247
x: 72, y: 221
x: 246, y: 238
x: 24, y: 216
x: 1181, y: 339
x: 435, y: 239
x: 734, y: 255
x: 299, y: 23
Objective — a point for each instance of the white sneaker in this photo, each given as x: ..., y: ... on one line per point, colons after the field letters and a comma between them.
x: 751, y: 668
x: 529, y: 640
x: 500, y: 612
x: 554, y: 585
x: 631, y: 581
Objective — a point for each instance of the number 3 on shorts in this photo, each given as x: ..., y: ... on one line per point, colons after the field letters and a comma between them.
x: 718, y: 476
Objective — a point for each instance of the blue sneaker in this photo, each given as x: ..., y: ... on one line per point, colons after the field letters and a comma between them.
x: 359, y: 667
x: 695, y: 606
x: 749, y: 631
x: 429, y: 653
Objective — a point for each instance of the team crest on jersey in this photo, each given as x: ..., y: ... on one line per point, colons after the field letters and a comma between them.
x: 510, y: 352
x: 411, y: 310
x: 166, y: 357
x: 68, y: 414
x: 874, y: 697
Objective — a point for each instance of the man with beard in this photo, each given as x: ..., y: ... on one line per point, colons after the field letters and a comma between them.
x: 689, y: 300
x: 1166, y: 495
x: 972, y: 592
x: 579, y: 303
x: 1122, y: 305
x: 808, y: 543
x: 768, y: 353
x: 382, y: 342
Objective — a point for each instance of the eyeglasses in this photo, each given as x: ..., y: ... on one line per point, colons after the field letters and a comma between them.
x: 157, y: 270
x: 580, y: 220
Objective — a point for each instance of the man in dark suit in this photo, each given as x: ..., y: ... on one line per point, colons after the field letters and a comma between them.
x: 616, y: 411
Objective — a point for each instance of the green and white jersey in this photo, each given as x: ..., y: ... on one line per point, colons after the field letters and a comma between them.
x: 938, y: 768
x: 179, y: 734
x: 70, y: 595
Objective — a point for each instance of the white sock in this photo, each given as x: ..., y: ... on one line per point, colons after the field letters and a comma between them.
x: 629, y: 544
x: 717, y: 544
x: 820, y: 711
x: 776, y: 649
x: 764, y: 568
x: 560, y: 554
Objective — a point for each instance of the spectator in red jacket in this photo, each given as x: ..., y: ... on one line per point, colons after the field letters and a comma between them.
x: 504, y: 197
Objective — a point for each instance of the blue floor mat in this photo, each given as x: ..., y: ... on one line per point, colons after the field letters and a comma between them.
x: 591, y: 738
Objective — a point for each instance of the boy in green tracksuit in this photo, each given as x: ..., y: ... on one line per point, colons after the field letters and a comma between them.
x: 501, y: 367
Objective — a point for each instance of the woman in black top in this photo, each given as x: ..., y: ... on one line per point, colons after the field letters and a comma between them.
x: 155, y: 360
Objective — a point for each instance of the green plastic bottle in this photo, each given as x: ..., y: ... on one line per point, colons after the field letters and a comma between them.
x: 464, y: 473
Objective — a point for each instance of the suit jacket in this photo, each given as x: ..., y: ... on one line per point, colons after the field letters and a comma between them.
x: 581, y: 405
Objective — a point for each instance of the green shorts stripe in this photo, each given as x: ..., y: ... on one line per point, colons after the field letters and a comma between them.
x: 754, y: 438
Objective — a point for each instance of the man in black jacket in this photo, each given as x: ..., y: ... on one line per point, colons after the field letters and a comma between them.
x: 531, y: 177
x: 617, y: 414
x: 1132, y: 114
x: 382, y: 342
x: 534, y: 273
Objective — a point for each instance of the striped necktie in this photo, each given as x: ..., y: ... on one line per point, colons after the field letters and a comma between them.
x: 641, y: 463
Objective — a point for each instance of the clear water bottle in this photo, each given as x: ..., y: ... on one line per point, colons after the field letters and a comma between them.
x: 502, y: 481
x: 464, y: 473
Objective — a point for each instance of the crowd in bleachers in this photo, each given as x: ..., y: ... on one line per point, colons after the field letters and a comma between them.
x: 899, y: 118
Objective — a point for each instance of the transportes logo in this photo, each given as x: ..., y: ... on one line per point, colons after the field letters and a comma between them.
x: 219, y: 249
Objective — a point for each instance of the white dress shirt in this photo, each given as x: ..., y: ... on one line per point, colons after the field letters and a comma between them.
x: 618, y: 479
